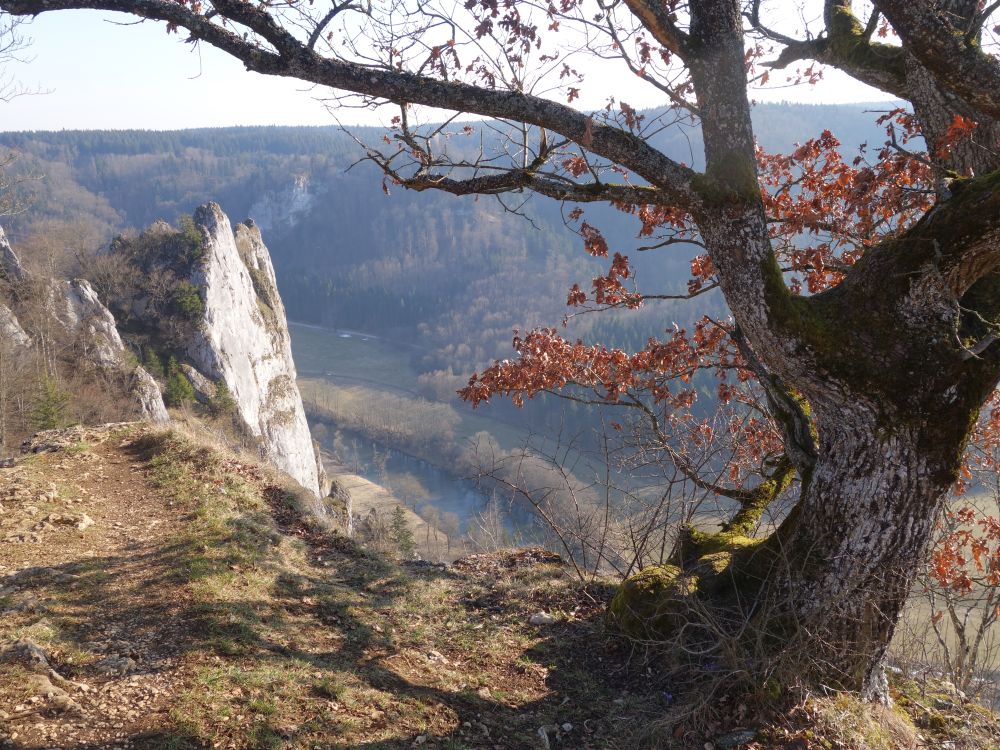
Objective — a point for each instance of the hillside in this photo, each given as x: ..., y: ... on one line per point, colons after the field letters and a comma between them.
x: 156, y: 593
x: 453, y: 274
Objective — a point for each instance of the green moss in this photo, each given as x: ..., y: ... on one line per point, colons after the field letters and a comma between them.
x: 731, y: 178
x: 724, y: 541
x: 649, y: 604
x: 848, y: 46
x: 713, y: 563
x: 759, y: 499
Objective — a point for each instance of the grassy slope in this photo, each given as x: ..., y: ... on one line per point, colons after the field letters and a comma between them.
x: 203, y: 610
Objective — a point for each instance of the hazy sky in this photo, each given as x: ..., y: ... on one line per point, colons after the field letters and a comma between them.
x: 100, y: 74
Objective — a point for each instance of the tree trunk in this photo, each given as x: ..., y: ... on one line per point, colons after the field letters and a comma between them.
x: 847, y: 555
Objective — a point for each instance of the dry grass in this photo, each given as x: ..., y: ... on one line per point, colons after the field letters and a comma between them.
x: 250, y: 626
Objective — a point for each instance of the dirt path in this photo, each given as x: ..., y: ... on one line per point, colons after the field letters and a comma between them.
x: 158, y: 593
x: 85, y: 573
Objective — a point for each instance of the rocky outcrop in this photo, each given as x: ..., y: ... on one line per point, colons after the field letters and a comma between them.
x: 148, y: 397
x: 88, y: 324
x: 10, y: 329
x: 10, y: 265
x: 283, y: 208
x: 242, y: 340
x: 204, y: 389
x: 325, y: 484
x: 75, y: 305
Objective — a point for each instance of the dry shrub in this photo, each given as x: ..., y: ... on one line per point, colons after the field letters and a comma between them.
x: 844, y: 721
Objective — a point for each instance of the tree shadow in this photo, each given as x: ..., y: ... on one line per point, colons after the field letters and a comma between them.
x: 138, y: 604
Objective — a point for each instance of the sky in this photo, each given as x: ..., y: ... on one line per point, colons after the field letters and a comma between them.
x: 97, y: 73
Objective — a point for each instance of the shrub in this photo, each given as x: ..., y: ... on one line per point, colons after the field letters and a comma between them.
x: 190, y: 236
x: 402, y: 535
x: 187, y: 300
x: 179, y: 389
x: 153, y: 364
x: 222, y: 403
x: 49, y: 408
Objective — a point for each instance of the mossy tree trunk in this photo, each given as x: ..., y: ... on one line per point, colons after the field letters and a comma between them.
x: 894, y: 364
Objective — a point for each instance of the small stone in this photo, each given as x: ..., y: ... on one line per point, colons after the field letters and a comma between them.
x: 542, y: 618
x: 84, y: 522
x: 115, y: 665
x: 567, y: 727
x: 543, y: 734
x: 734, y: 739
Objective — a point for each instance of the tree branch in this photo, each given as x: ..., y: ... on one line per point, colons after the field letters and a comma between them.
x: 658, y: 21
x: 517, y: 179
x: 956, y: 61
x: 295, y: 59
x: 787, y: 410
x: 847, y: 45
x: 335, y: 11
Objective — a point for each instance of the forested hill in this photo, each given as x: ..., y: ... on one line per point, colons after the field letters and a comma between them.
x: 454, y: 274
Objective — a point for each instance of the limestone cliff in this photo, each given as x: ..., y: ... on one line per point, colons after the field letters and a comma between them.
x: 10, y: 266
x: 86, y: 325
x: 242, y: 340
x: 283, y: 208
x: 10, y: 328
x: 83, y: 316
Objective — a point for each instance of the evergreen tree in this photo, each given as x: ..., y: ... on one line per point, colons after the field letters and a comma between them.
x: 179, y: 390
x: 49, y: 409
x: 153, y: 364
x: 402, y: 535
x: 222, y: 402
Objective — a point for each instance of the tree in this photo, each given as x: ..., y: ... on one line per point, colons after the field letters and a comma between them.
x: 179, y: 390
x: 50, y: 405
x: 402, y: 534
x: 222, y: 402
x: 873, y: 378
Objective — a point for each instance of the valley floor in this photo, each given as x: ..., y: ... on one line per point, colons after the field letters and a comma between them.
x: 156, y: 593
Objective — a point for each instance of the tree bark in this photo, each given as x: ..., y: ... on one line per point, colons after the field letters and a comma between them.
x: 863, y: 525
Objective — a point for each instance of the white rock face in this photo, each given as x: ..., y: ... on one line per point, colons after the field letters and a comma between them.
x: 10, y: 328
x: 204, y: 389
x: 10, y: 265
x: 325, y: 484
x: 77, y: 308
x: 147, y: 394
x: 284, y: 207
x: 243, y: 340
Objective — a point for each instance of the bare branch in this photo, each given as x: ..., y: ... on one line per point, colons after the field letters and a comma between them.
x: 655, y: 17
x: 292, y: 58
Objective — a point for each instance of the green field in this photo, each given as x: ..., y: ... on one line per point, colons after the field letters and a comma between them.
x: 367, y: 365
x: 323, y: 352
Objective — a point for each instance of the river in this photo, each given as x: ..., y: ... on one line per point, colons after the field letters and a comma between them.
x: 350, y: 357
